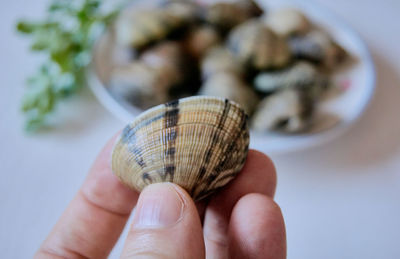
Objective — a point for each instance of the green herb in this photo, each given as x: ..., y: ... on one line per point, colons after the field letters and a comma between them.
x: 66, y: 37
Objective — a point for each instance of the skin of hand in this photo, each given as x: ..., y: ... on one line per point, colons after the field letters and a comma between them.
x: 240, y: 221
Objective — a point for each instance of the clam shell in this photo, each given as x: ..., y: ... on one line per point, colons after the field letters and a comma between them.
x: 230, y: 86
x: 199, y: 143
x: 317, y: 47
x: 200, y: 40
x: 301, y: 75
x: 258, y: 46
x: 225, y: 16
x: 289, y: 111
x: 150, y: 80
x: 288, y: 21
x: 251, y: 7
x: 139, y: 28
x: 185, y: 11
x: 140, y: 84
x: 168, y: 59
x: 220, y: 59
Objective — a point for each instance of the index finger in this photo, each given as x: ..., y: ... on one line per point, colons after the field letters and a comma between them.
x: 95, y: 218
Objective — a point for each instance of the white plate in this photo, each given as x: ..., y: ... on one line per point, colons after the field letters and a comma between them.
x: 334, y: 116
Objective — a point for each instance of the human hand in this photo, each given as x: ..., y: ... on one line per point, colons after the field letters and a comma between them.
x: 240, y: 221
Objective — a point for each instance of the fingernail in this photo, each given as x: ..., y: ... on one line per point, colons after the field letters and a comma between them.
x: 159, y: 205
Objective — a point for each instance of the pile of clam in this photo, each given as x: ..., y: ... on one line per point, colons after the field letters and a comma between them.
x: 276, y: 64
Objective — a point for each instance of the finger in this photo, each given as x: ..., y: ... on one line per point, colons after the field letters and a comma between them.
x: 257, y: 229
x: 94, y: 219
x: 166, y: 224
x: 257, y: 176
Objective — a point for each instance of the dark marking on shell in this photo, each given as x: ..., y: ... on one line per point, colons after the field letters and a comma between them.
x: 146, y: 178
x: 171, y: 118
x: 169, y: 170
x: 174, y: 104
x: 142, y: 124
x: 129, y: 137
x: 224, y: 114
x: 127, y: 133
x: 170, y: 151
x: 170, y: 122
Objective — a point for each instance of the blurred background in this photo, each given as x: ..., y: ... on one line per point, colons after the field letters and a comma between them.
x: 339, y: 200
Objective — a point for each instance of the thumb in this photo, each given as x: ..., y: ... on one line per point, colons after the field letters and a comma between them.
x: 165, y: 225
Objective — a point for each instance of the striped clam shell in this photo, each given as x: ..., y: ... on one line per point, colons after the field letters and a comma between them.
x: 226, y: 15
x: 288, y: 21
x: 289, y: 111
x: 168, y: 59
x: 140, y: 84
x: 139, y: 28
x: 219, y: 60
x: 257, y: 46
x: 199, y: 143
x: 200, y: 40
x: 231, y: 86
x: 298, y: 75
x: 301, y: 75
x: 318, y: 47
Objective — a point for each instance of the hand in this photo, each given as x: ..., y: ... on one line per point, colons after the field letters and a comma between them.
x: 240, y: 221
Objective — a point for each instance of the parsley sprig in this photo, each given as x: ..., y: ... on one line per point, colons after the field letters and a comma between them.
x: 66, y: 38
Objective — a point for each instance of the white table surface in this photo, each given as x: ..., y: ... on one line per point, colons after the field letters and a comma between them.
x: 341, y: 200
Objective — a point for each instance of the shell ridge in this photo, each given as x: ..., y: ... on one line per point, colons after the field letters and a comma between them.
x: 215, y: 136
x: 143, y: 120
x: 226, y: 160
x: 222, y: 164
x: 144, y: 123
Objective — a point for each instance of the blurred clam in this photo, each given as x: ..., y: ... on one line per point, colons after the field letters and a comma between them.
x: 150, y: 80
x: 230, y: 86
x: 220, y: 59
x: 168, y: 59
x: 200, y: 40
x: 185, y: 11
x: 251, y: 7
x: 288, y: 21
x: 177, y: 69
x: 289, y: 110
x: 301, y: 75
x: 199, y: 143
x: 226, y: 15
x: 317, y: 47
x: 139, y: 28
x: 139, y: 84
x: 258, y: 46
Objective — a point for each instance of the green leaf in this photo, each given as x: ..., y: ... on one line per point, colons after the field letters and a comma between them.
x: 34, y: 123
x: 66, y: 37
x: 57, y: 6
x: 25, y: 27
